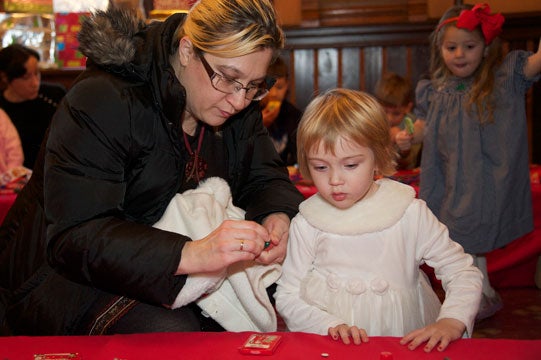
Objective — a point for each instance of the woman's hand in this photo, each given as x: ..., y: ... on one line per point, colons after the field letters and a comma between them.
x: 439, y: 334
x: 277, y: 225
x: 345, y: 332
x: 232, y: 241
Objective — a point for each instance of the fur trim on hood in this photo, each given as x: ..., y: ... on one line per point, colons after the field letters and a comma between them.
x: 107, y: 37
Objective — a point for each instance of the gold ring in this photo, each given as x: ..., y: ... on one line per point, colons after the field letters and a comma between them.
x: 241, y: 245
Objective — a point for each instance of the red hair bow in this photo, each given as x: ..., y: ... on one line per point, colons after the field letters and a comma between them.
x: 491, y: 24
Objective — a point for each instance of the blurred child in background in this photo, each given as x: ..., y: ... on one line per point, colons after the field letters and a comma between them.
x: 396, y: 94
x: 281, y: 117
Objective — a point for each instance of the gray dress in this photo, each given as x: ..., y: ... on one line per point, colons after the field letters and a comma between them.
x: 475, y: 178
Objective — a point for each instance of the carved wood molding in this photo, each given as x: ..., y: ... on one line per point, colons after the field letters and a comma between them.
x: 517, y: 26
x: 344, y: 12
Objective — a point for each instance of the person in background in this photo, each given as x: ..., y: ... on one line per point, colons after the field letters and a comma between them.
x: 396, y: 95
x: 281, y: 117
x: 471, y: 118
x: 11, y: 152
x: 352, y: 265
x: 159, y: 108
x: 29, y: 102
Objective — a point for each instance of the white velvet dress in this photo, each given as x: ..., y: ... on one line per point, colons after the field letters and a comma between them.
x: 360, y: 266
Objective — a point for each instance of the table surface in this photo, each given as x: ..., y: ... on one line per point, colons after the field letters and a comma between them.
x: 225, y: 346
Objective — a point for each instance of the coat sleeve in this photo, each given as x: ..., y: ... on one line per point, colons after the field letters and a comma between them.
x: 90, y: 239
x: 260, y: 181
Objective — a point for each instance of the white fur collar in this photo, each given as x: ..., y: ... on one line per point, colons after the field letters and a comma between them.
x: 380, y: 211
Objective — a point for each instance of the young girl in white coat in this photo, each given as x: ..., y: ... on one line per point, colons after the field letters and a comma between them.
x: 352, y: 265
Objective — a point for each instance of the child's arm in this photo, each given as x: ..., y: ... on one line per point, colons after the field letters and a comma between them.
x: 419, y: 130
x: 533, y: 64
x: 439, y: 334
x: 461, y: 280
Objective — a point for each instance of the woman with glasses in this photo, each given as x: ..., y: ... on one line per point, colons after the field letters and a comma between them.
x: 160, y: 107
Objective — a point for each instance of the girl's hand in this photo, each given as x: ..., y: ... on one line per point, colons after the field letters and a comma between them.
x: 441, y: 333
x: 232, y: 241
x: 345, y: 332
x: 277, y: 226
x: 532, y: 67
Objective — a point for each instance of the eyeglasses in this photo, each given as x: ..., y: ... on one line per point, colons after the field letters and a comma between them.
x: 230, y: 86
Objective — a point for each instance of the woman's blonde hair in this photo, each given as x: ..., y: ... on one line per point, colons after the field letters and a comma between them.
x: 233, y: 28
x: 483, y: 84
x: 351, y: 114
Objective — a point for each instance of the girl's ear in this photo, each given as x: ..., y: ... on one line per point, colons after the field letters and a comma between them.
x: 185, y: 50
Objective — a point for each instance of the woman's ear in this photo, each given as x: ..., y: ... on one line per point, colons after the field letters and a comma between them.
x: 185, y: 50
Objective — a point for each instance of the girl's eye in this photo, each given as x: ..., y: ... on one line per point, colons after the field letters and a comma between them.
x: 351, y: 166
x: 319, y: 167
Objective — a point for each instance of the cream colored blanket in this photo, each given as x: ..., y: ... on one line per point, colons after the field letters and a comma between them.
x: 236, y: 297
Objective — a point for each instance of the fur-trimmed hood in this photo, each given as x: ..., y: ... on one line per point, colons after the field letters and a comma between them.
x: 108, y: 37
x: 119, y: 42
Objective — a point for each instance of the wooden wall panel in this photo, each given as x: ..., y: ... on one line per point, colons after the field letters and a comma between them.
x: 304, y: 76
x: 327, y: 69
x: 397, y: 60
x: 373, y: 67
x: 351, y: 65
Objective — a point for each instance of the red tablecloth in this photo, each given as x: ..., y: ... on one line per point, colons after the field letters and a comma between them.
x: 511, y: 266
x: 224, y: 346
x: 6, y: 200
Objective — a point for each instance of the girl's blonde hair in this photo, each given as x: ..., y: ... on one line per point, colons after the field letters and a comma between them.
x: 350, y: 114
x: 233, y: 28
x: 483, y: 85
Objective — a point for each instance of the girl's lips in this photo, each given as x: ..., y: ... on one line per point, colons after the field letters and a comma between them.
x: 338, y: 196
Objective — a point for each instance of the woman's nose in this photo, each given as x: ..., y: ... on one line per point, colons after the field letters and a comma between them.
x: 238, y: 99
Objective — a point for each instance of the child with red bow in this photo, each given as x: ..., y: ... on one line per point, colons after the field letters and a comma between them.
x: 472, y: 121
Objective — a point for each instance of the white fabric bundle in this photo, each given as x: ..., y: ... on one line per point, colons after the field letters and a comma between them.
x: 236, y: 298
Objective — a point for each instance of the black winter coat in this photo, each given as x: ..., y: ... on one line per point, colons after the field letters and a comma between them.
x: 79, y: 233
